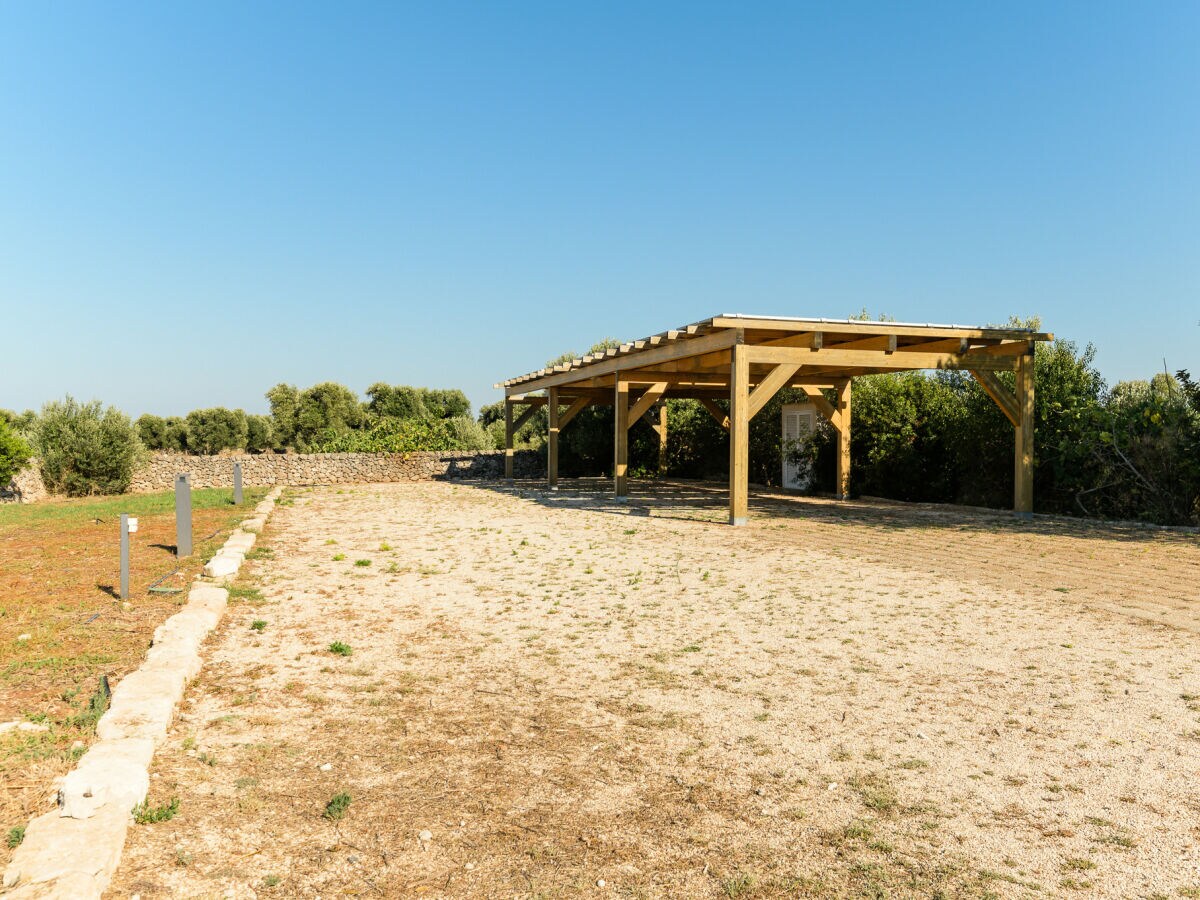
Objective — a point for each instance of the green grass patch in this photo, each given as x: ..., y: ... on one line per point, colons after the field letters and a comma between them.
x: 145, y: 814
x: 339, y: 649
x: 87, y: 509
x: 16, y: 834
x: 246, y: 594
x: 336, y: 808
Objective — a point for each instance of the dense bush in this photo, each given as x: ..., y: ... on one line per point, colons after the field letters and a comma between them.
x: 388, y: 401
x: 404, y: 402
x: 325, y: 410
x: 259, y: 433
x: 212, y: 430
x: 407, y: 436
x: 85, y: 448
x: 21, y: 423
x: 14, y: 452
x: 158, y: 433
x: 284, y: 398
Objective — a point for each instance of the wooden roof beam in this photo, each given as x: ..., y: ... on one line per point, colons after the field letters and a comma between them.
x: 901, y: 328
x: 871, y: 359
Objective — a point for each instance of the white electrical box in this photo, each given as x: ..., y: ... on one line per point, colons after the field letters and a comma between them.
x: 799, y: 422
x: 132, y: 525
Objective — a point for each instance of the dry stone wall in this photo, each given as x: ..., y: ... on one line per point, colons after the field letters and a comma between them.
x: 26, y: 487
x: 270, y: 469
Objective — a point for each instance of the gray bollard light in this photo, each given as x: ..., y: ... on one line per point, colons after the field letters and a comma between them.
x: 123, y: 593
x: 128, y: 526
x: 237, y: 483
x: 183, y: 517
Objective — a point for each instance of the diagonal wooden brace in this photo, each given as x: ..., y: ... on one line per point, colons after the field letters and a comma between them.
x: 716, y: 412
x: 525, y: 417
x: 577, y: 406
x: 769, y: 386
x: 652, y: 395
x: 1003, y: 397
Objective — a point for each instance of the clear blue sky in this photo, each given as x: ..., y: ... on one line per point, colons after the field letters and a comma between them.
x: 198, y: 201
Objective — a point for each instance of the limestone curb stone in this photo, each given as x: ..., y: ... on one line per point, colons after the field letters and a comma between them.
x: 222, y: 566
x: 113, y: 771
x: 68, y: 859
x: 73, y: 851
x: 254, y: 525
x: 240, y: 540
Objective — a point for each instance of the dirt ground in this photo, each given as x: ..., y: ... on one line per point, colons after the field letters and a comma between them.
x: 543, y: 695
x: 62, y: 625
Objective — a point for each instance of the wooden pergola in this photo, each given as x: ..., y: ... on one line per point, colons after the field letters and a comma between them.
x: 748, y: 359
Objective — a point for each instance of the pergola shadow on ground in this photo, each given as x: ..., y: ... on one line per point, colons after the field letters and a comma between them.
x: 706, y: 501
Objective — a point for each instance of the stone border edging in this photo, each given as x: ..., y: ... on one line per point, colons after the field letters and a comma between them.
x: 73, y: 851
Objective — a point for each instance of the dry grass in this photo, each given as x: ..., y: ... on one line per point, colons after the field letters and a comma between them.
x: 546, y: 692
x: 58, y: 564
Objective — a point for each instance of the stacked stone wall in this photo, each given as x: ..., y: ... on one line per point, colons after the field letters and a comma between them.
x: 26, y: 487
x: 332, y: 468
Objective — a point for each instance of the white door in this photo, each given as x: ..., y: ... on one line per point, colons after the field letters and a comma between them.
x: 798, y: 424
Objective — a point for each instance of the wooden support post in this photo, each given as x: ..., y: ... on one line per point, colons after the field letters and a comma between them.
x: 1023, y: 455
x: 552, y: 442
x: 621, y: 438
x: 662, y: 438
x: 843, y: 431
x: 739, y: 434
x: 509, y: 431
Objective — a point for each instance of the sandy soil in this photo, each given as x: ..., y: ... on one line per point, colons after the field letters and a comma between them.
x: 557, y: 695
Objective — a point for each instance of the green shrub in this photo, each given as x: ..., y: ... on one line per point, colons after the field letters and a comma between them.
x: 14, y: 453
x: 85, y: 448
x: 259, y: 433
x: 284, y: 399
x: 157, y: 433
x: 21, y: 423
x: 386, y: 401
x: 212, y: 430
x: 445, y: 403
x: 325, y: 409
x: 407, y: 436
